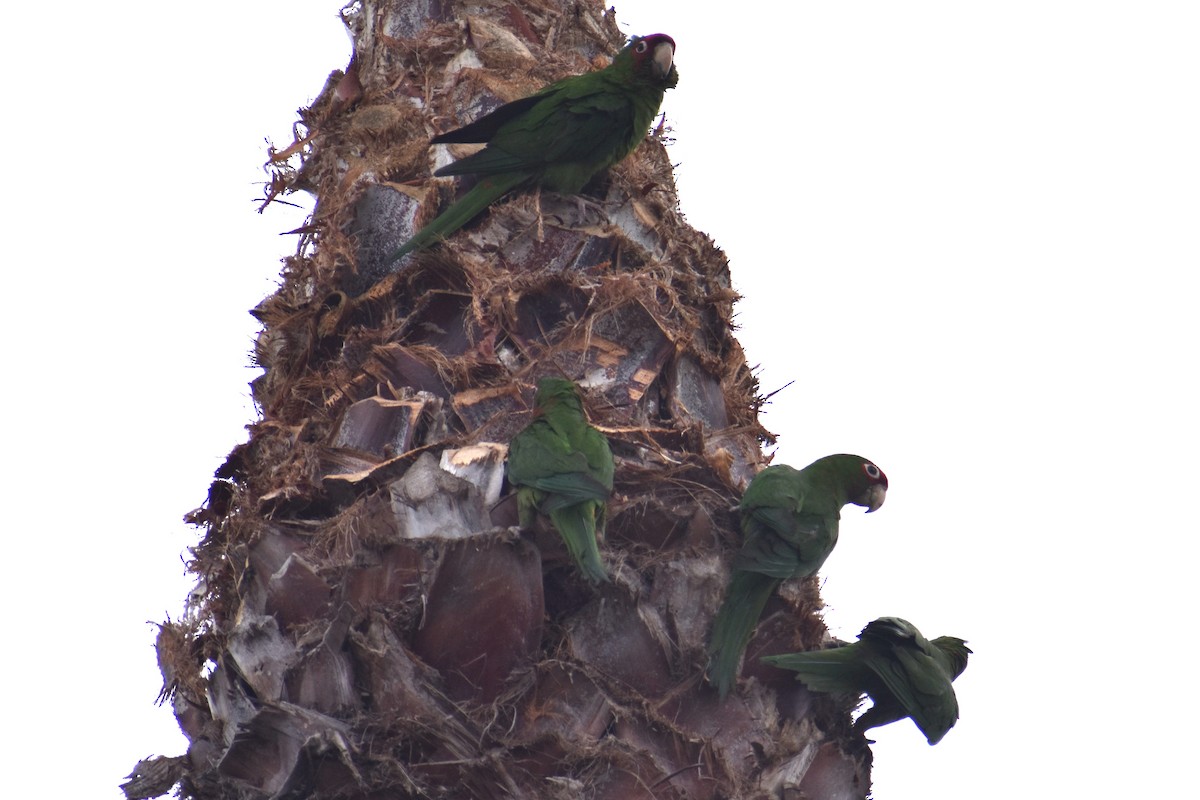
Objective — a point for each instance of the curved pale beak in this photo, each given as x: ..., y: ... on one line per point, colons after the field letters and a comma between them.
x: 664, y: 54
x: 872, y: 498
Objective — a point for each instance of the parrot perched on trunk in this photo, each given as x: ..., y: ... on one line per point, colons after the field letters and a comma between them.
x: 905, y: 674
x: 562, y: 467
x: 559, y: 138
x: 789, y: 518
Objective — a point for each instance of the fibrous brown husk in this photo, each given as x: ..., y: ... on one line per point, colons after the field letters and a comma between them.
x: 369, y: 621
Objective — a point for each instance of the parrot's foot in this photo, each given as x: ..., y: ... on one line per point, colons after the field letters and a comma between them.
x: 583, y: 204
x: 571, y: 211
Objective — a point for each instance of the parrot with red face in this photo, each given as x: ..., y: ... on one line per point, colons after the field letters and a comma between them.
x: 789, y: 518
x: 559, y: 138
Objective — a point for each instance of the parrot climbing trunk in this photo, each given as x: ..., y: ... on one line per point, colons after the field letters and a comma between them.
x: 482, y: 195
x: 734, y: 624
x: 563, y: 467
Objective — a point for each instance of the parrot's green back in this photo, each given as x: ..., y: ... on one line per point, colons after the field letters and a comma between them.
x: 789, y: 520
x: 905, y: 674
x: 559, y: 138
x: 563, y: 467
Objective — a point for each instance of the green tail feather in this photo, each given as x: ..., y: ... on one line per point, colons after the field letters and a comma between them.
x: 577, y: 526
x: 466, y: 208
x: 735, y: 623
x: 833, y: 670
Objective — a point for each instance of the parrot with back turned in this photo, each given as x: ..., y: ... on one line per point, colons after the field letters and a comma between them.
x: 559, y: 138
x: 905, y: 674
x: 563, y: 467
x: 789, y: 519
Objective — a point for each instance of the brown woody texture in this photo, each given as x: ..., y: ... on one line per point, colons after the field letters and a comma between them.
x: 368, y: 621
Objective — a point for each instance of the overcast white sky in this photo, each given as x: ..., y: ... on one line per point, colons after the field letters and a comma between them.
x: 970, y: 233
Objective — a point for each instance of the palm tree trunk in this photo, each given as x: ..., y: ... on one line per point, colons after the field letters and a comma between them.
x: 369, y: 620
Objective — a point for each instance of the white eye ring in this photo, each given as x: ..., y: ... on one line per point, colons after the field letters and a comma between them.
x: 640, y: 47
x: 872, y: 471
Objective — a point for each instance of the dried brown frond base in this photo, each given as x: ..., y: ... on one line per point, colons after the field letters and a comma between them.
x: 370, y: 621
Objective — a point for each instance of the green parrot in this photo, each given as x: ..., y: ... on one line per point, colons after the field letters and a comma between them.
x: 559, y: 138
x: 562, y: 467
x: 789, y: 518
x: 905, y: 674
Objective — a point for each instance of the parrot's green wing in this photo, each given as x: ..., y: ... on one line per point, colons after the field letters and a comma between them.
x: 779, y: 487
x: 585, y: 121
x: 905, y: 675
x: 789, y: 529
x: 789, y: 518
x: 563, y: 467
x: 558, y: 138
x: 912, y: 671
x: 540, y: 458
x: 923, y: 690
x: 484, y: 128
x: 800, y: 550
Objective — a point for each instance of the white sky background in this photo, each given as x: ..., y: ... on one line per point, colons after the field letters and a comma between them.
x: 968, y: 232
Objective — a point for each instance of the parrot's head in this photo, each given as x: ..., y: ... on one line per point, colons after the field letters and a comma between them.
x: 863, y: 482
x: 873, y: 494
x: 552, y: 392
x: 653, y: 58
x: 956, y: 652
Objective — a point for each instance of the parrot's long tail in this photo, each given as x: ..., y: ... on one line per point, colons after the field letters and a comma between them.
x: 734, y: 624
x: 577, y: 525
x: 832, y: 670
x: 462, y: 211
